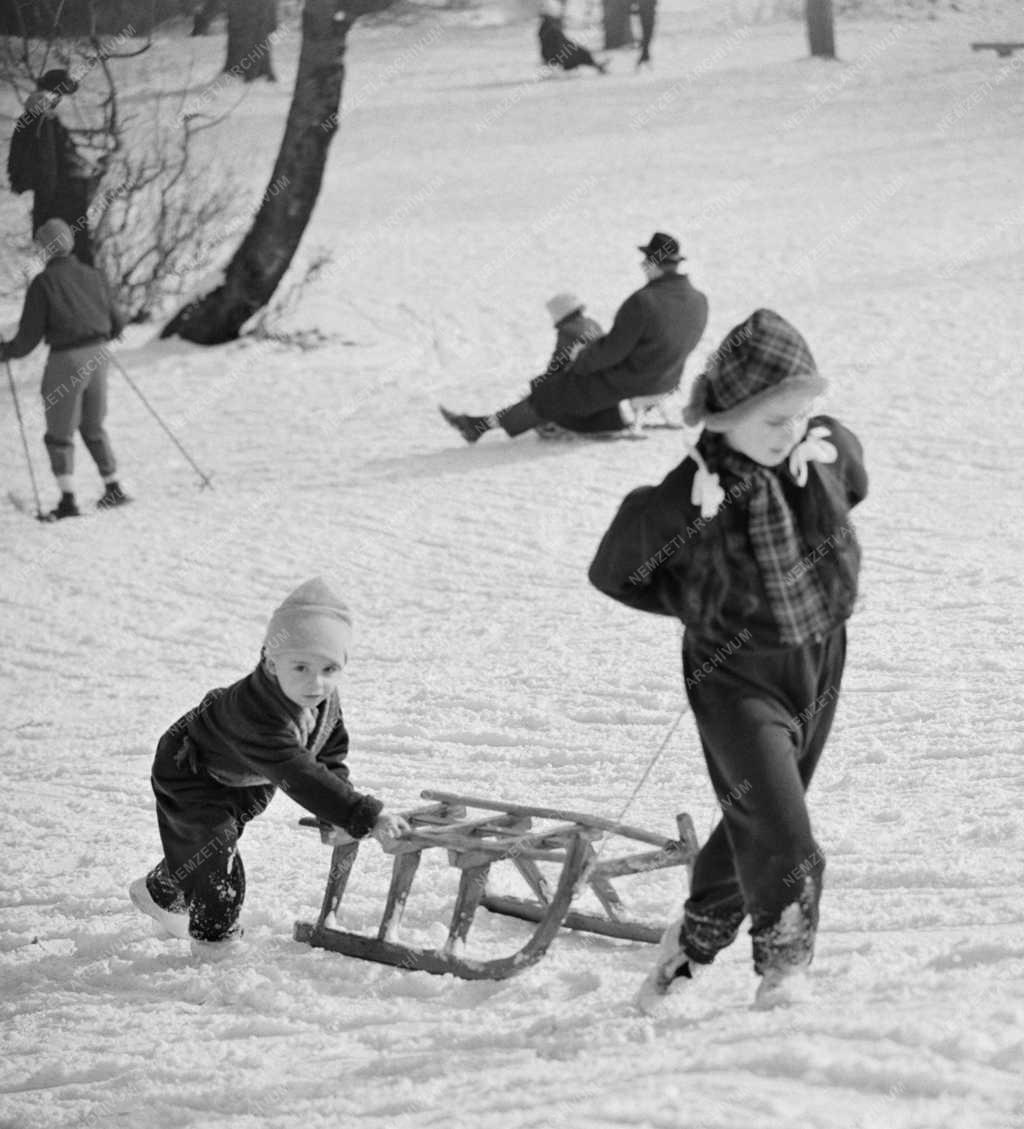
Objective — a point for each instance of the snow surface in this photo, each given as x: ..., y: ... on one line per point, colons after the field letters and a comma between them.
x: 876, y: 203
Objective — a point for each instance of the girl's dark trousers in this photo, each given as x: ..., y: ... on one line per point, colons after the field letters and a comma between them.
x: 200, y: 821
x: 763, y: 718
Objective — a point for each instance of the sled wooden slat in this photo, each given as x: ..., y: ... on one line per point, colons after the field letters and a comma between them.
x: 402, y: 874
x: 552, y: 813
x: 574, y: 843
x: 575, y: 919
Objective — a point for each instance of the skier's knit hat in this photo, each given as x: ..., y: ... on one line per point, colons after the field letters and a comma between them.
x: 758, y: 360
x: 55, y: 239
x: 312, y: 618
x: 562, y: 305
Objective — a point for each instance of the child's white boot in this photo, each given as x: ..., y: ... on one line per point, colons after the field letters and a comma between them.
x: 672, y: 973
x: 168, y: 923
x: 783, y: 986
x: 211, y: 952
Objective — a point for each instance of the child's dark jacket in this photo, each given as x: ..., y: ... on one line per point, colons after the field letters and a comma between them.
x: 250, y: 733
x: 642, y: 558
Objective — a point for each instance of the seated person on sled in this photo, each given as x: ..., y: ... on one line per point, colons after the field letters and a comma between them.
x: 557, y: 49
x: 655, y: 330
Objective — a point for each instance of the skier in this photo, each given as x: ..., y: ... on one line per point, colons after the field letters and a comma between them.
x: 219, y: 765
x: 643, y: 354
x: 558, y: 50
x: 44, y: 160
x: 748, y: 543
x: 69, y: 304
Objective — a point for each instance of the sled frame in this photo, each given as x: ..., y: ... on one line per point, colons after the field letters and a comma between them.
x: 1001, y: 49
x: 475, y: 840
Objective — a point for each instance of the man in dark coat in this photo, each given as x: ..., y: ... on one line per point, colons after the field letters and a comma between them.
x: 44, y: 160
x: 655, y: 330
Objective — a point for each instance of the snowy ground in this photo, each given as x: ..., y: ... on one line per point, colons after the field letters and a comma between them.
x: 876, y: 203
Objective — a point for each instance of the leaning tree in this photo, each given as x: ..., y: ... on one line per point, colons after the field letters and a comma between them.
x: 259, y: 264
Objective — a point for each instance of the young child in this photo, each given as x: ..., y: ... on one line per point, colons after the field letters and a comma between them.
x: 748, y: 543
x: 219, y: 766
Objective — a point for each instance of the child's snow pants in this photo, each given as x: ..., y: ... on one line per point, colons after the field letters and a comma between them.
x: 763, y: 718
x: 200, y: 821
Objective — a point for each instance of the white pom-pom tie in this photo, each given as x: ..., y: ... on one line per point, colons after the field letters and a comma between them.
x: 706, y: 491
x: 813, y: 448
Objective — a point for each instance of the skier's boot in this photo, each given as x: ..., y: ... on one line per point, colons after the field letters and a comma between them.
x: 112, y: 496
x: 66, y: 507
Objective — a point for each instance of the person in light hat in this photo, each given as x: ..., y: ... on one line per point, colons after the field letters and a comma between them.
x: 643, y: 354
x: 748, y: 542
x: 69, y: 306
x: 573, y: 331
x: 220, y: 764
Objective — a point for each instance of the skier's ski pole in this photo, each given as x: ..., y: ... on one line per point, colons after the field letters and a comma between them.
x: 24, y: 440
x: 203, y: 476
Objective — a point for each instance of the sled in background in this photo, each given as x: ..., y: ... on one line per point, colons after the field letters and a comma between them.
x: 507, y: 833
x: 1001, y: 49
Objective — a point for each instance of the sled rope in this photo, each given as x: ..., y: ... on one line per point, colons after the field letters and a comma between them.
x: 648, y: 770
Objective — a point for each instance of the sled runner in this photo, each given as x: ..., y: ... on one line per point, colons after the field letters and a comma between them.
x: 499, y: 832
x: 1001, y: 49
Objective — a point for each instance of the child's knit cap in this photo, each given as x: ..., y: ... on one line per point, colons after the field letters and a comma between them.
x: 312, y: 618
x: 758, y: 359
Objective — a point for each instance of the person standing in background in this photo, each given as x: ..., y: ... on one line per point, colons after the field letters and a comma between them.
x: 44, y: 160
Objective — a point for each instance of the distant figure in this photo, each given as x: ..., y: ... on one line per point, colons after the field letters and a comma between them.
x: 643, y: 354
x: 44, y: 160
x: 645, y: 10
x: 573, y: 330
x: 558, y: 50
x: 70, y: 306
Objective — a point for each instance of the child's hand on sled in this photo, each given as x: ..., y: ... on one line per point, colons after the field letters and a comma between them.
x: 389, y: 829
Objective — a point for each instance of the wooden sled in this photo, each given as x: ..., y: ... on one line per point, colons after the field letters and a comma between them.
x: 474, y: 845
x: 1001, y: 49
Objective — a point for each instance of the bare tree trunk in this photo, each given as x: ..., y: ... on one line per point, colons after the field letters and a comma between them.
x: 250, y: 25
x: 260, y: 262
x: 618, y: 31
x: 821, y: 29
x: 204, y: 16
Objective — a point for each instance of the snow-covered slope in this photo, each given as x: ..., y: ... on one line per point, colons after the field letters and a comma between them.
x: 875, y: 202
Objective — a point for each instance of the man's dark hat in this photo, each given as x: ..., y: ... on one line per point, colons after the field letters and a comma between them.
x: 662, y: 248
x: 57, y: 82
